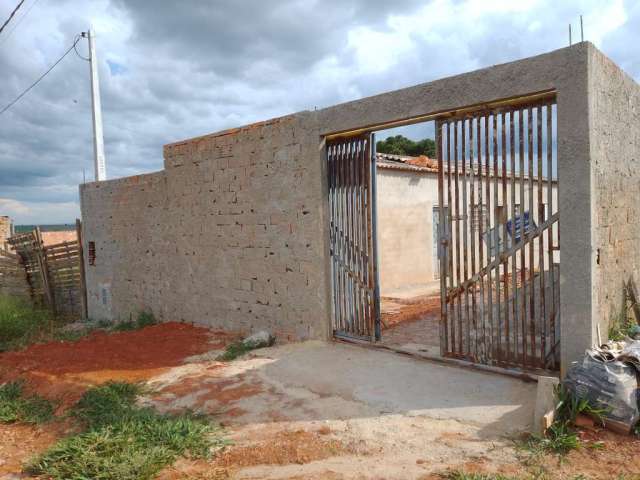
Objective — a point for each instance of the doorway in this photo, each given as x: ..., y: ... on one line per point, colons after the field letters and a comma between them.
x: 453, y: 252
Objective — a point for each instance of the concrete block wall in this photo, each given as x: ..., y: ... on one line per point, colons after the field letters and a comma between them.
x: 230, y: 234
x: 614, y: 113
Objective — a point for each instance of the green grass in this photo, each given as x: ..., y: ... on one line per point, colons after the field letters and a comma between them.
x: 124, y: 441
x: 16, y: 407
x: 20, y: 324
x: 234, y: 350
x: 539, y: 475
x: 561, y: 437
x: 144, y: 319
x: 458, y: 475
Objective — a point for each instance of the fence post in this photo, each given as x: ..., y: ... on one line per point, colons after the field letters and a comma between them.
x: 41, y: 254
x: 83, y: 285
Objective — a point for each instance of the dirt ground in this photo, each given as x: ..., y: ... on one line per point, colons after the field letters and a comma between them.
x: 396, y: 311
x: 305, y: 411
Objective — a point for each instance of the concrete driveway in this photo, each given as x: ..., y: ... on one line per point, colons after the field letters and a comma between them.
x: 330, y: 410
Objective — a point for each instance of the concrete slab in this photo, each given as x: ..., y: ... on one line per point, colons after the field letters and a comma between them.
x: 375, y: 414
x: 394, y: 384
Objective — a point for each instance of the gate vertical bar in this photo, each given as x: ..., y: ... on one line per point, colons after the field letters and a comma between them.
x: 523, y: 270
x: 472, y: 201
x: 465, y: 246
x: 496, y: 233
x: 542, y: 313
x: 480, y: 221
x: 550, y: 240
x: 487, y: 160
x: 514, y: 271
x: 374, y: 235
x: 503, y: 223
x: 458, y: 243
x: 441, y: 249
x: 450, y: 302
x: 530, y: 239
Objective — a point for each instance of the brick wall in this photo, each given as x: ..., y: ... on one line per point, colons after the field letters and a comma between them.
x: 229, y: 234
x: 5, y: 229
x: 615, y: 162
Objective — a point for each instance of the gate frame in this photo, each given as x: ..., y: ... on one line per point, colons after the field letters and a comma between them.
x: 525, y: 105
x: 526, y: 373
x: 372, y: 234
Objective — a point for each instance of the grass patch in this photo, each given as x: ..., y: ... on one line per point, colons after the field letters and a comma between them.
x: 124, y: 441
x: 144, y: 319
x: 458, y: 475
x: 20, y: 323
x: 561, y: 437
x: 16, y: 407
x: 234, y: 350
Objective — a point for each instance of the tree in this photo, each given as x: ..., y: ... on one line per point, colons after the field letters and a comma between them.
x: 401, y: 145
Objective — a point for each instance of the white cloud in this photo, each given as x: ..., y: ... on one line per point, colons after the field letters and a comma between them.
x: 189, y: 70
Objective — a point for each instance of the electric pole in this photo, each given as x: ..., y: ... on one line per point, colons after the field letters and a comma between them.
x: 98, y: 138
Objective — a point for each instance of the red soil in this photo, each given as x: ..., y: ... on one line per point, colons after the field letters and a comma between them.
x: 415, y: 309
x: 63, y: 370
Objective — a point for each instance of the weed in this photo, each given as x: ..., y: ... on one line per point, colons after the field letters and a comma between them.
x: 124, y: 441
x: 71, y: 335
x: 234, y: 350
x: 15, y: 407
x: 125, y: 326
x: 459, y: 475
x: 20, y: 324
x: 144, y: 319
x: 569, y: 407
x: 106, y: 404
x: 105, y: 324
x: 621, y: 326
x: 560, y: 438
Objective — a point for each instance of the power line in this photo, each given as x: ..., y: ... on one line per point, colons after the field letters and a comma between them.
x: 40, y: 78
x: 11, y: 16
x: 80, y: 35
x: 10, y: 32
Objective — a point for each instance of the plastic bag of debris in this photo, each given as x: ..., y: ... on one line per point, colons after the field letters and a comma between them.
x: 612, y: 386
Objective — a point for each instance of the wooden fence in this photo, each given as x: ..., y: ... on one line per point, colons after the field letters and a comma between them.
x: 13, y: 277
x: 54, y: 273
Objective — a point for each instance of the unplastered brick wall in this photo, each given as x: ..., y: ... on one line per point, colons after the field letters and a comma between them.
x: 5, y: 229
x: 230, y: 234
x: 615, y: 162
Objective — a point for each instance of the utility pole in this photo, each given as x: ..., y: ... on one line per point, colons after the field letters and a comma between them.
x: 98, y: 138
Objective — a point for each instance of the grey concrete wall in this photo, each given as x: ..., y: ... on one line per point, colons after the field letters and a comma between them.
x: 233, y: 233
x: 614, y: 114
x: 230, y: 234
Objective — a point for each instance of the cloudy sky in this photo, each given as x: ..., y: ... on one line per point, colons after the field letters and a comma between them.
x: 172, y: 70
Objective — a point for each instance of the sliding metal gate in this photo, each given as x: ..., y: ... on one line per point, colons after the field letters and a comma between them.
x: 351, y: 179
x: 498, y: 187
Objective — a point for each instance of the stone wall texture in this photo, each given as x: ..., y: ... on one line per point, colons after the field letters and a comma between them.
x: 614, y: 102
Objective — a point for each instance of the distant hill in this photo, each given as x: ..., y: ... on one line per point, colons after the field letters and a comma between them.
x: 61, y: 227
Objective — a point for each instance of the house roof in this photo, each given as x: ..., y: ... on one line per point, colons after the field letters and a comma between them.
x: 407, y: 163
x: 424, y: 164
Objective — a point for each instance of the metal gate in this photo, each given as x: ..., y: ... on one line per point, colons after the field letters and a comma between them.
x: 352, y: 185
x: 499, y: 266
